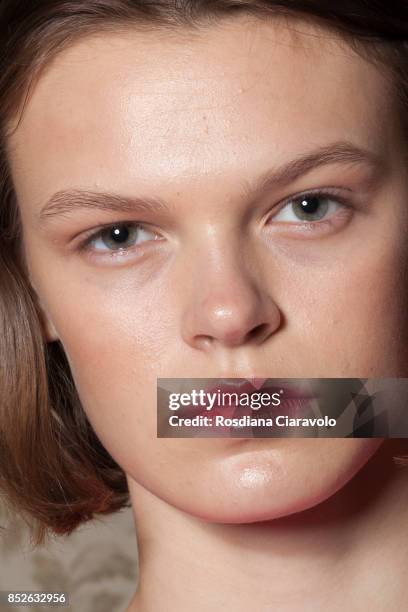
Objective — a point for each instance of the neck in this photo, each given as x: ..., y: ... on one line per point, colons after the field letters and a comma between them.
x: 346, y: 551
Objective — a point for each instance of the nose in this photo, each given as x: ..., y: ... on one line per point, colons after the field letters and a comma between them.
x: 228, y: 305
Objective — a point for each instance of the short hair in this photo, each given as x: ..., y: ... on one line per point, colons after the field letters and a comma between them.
x: 53, y: 468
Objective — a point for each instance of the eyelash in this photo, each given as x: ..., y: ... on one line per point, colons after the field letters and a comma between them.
x: 334, y: 193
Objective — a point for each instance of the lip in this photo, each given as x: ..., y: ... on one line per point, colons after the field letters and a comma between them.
x: 294, y: 400
x: 291, y: 391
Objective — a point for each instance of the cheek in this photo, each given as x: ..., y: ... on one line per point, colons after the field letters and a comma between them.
x: 113, y: 347
x: 115, y: 320
x: 355, y: 314
x: 111, y: 355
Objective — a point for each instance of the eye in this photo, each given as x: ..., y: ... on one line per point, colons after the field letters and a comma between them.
x: 117, y: 237
x: 310, y: 207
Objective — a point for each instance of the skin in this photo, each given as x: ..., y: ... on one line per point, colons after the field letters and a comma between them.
x: 188, y: 118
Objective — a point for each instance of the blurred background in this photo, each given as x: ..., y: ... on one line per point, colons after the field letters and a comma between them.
x: 96, y: 565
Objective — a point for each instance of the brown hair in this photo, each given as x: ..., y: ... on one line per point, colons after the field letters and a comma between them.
x: 53, y: 468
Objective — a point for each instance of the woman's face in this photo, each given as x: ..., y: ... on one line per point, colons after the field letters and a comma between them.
x: 219, y: 275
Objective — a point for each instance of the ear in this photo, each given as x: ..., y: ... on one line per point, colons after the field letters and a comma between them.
x: 49, y: 332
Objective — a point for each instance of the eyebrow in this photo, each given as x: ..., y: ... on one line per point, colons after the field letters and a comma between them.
x: 66, y: 201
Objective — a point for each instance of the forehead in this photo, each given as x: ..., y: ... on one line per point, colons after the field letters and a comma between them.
x: 162, y: 105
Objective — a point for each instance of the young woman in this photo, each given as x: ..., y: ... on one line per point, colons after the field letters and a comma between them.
x: 205, y: 189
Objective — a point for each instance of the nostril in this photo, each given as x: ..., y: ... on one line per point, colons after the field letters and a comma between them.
x: 257, y: 331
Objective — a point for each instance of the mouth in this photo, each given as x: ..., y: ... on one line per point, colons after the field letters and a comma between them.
x: 225, y: 399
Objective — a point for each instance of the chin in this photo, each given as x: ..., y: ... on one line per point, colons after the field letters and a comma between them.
x: 262, y: 484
